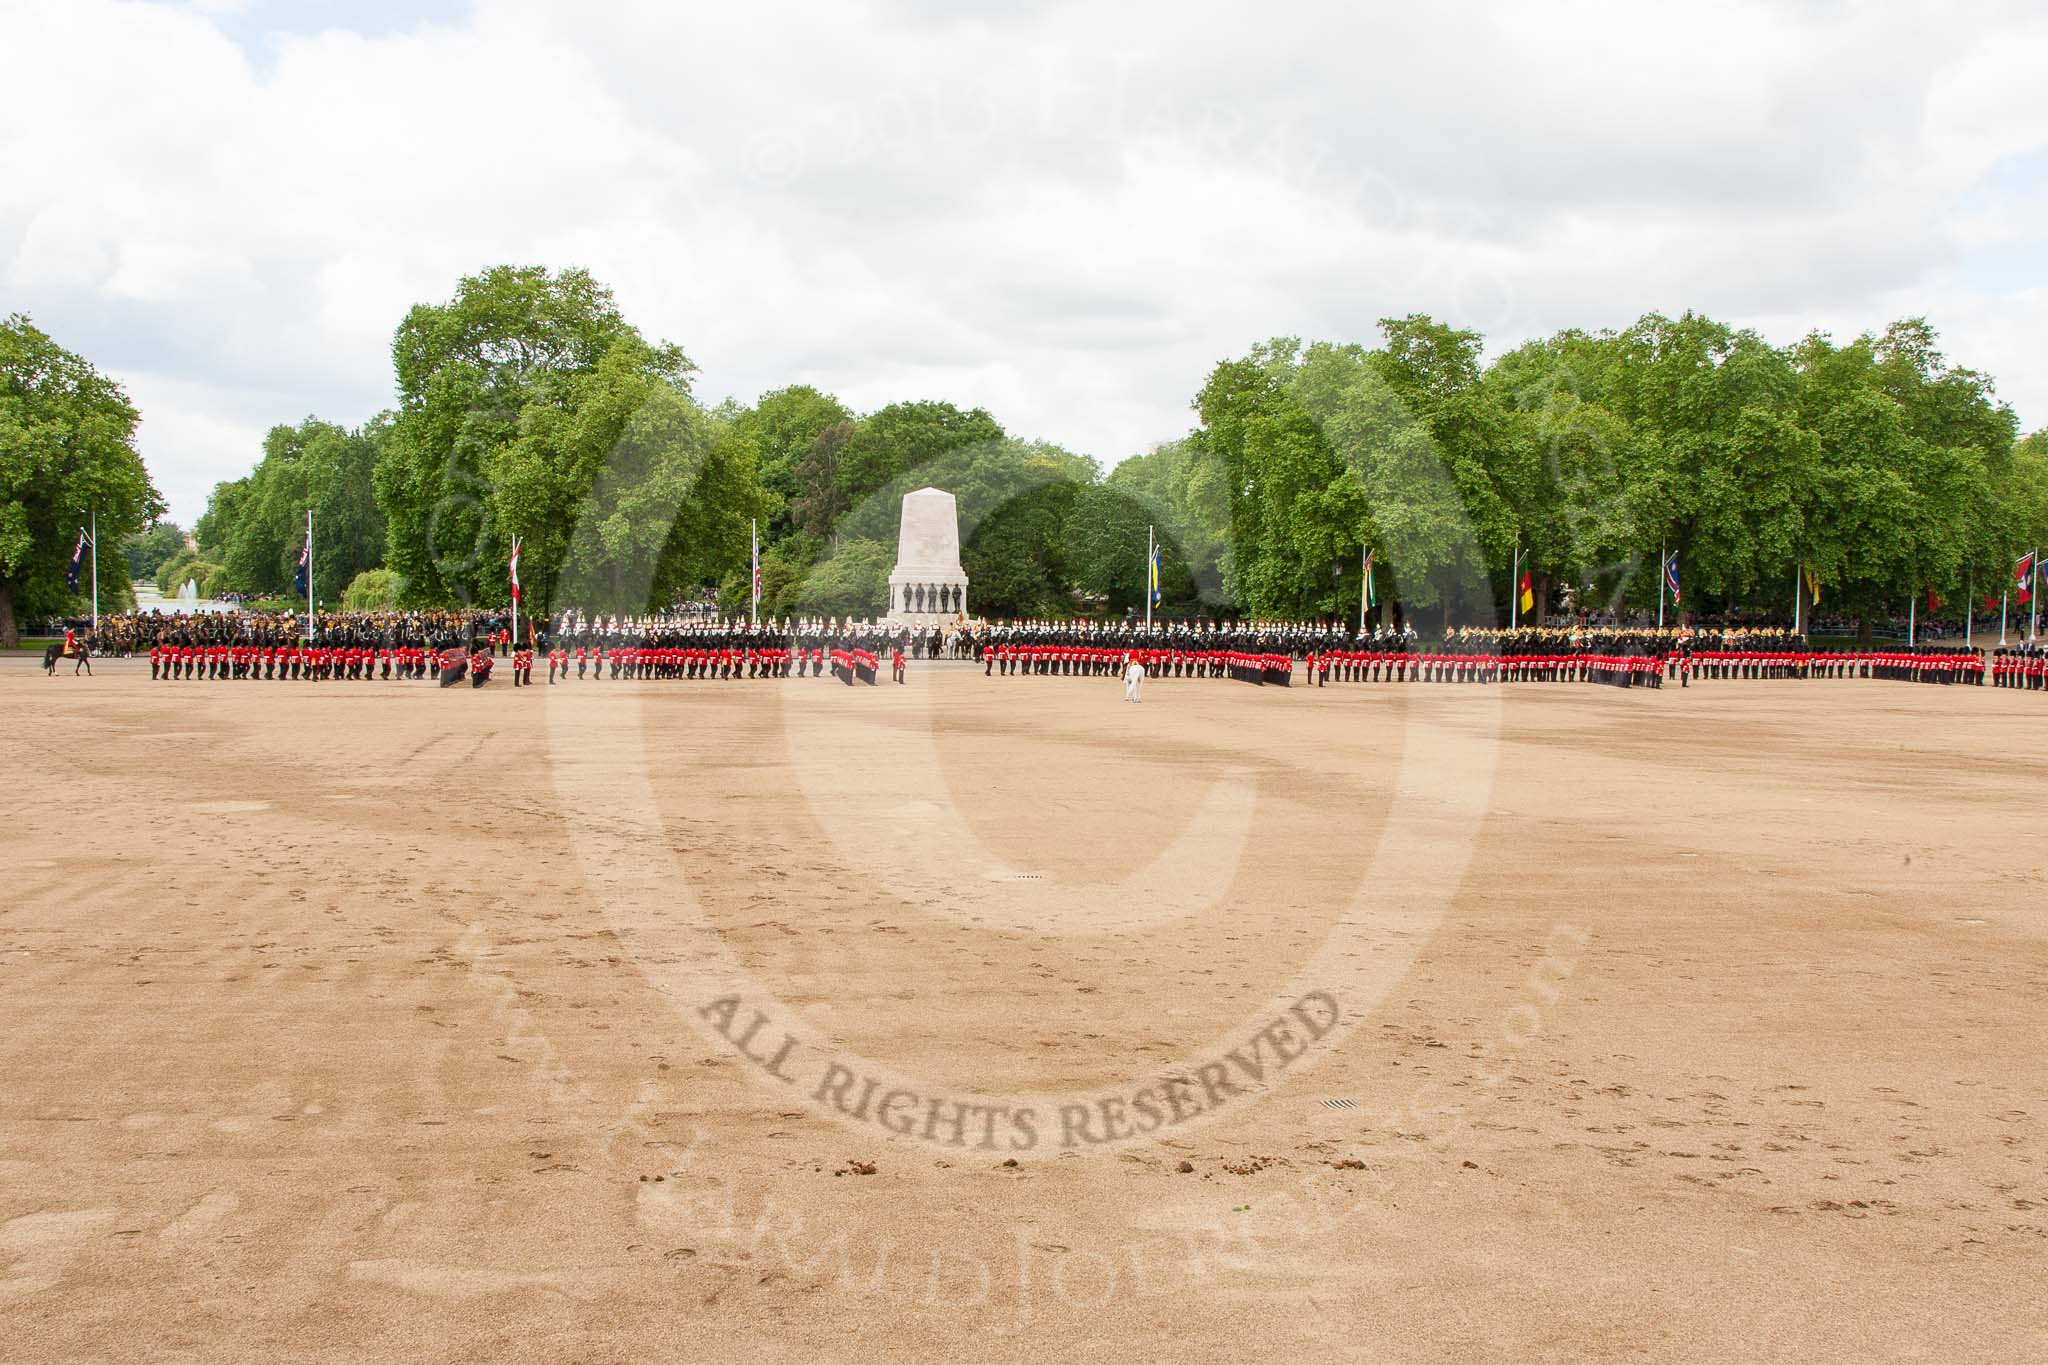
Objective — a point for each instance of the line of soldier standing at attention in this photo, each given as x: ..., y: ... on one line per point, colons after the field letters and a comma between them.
x: 454, y: 645
x: 2022, y: 667
x: 1613, y: 656
x: 275, y: 646
x: 692, y: 648
x: 1177, y: 649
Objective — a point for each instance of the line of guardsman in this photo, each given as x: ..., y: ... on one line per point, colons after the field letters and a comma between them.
x: 695, y: 649
x: 356, y: 646
x: 351, y: 646
x: 1252, y: 651
x: 1615, y: 656
x: 2024, y: 667
x: 341, y: 646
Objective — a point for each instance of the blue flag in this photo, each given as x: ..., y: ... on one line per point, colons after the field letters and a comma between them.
x: 1671, y: 576
x: 77, y: 563
x: 299, y: 578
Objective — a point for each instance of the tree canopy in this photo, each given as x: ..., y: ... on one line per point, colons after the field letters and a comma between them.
x: 67, y: 455
x: 260, y: 527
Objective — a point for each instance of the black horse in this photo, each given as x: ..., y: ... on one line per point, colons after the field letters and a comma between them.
x: 55, y: 651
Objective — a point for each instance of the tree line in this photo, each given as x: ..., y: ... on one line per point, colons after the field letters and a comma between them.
x: 527, y: 407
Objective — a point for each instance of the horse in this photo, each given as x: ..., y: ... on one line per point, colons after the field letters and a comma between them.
x: 56, y: 651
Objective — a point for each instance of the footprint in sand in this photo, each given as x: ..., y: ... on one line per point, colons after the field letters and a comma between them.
x: 37, y: 1247
x: 201, y: 1216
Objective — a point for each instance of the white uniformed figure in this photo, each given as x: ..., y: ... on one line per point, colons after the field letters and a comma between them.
x: 1134, y: 681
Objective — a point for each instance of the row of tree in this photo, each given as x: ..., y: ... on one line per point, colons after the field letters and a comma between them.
x: 1873, y: 472
x: 529, y: 409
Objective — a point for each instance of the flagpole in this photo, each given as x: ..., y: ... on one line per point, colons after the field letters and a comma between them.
x: 1364, y: 586
x: 1515, y: 589
x: 2033, y: 590
x: 515, y: 598
x: 1796, y: 603
x: 1970, y: 611
x: 95, y: 571
x: 755, y: 610
x: 2003, y: 594
x: 1912, y: 607
x: 309, y: 575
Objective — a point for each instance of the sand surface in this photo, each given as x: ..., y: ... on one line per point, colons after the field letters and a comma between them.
x: 370, y: 1020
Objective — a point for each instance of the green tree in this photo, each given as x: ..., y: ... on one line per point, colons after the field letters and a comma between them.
x: 67, y: 452
x: 371, y: 590
x: 625, y: 492
x: 785, y: 426
x: 508, y: 354
x: 256, y: 525
x: 1564, y: 466
x: 1014, y: 552
x: 1106, y: 530
x: 223, y: 511
x: 819, y: 499
x: 1911, y: 460
x: 1325, y: 458
x: 853, y: 581
x: 1186, y: 495
x: 185, y: 565
x: 904, y: 437
x: 149, y: 549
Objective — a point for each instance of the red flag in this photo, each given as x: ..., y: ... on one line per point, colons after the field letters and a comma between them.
x: 2023, y: 577
x: 1933, y: 602
x: 515, y: 569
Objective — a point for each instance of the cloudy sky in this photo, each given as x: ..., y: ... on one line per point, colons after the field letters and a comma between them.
x: 1064, y: 213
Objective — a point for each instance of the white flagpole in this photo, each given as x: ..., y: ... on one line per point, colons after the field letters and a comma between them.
x: 1364, y: 585
x: 1970, y: 611
x: 1912, y: 606
x: 1515, y: 589
x: 2003, y: 595
x: 754, y: 588
x: 515, y: 597
x: 309, y: 575
x: 95, y: 571
x: 1797, y: 603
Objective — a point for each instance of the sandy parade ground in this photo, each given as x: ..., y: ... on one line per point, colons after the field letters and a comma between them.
x: 998, y: 1018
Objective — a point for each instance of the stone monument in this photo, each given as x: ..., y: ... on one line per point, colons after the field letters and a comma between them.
x: 928, y: 586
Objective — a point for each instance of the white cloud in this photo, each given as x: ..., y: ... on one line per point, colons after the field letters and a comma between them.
x: 1066, y: 213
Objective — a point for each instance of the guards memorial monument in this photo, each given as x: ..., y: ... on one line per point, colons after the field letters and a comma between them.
x: 928, y: 586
